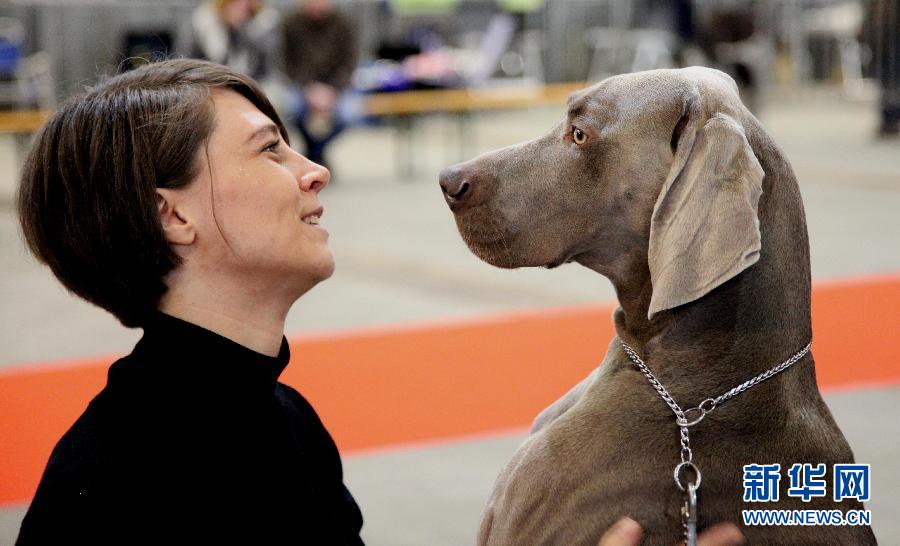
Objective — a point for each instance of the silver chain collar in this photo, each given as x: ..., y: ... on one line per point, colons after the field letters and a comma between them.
x: 685, y: 419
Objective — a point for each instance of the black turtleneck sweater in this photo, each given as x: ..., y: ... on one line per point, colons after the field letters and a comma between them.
x: 193, y: 440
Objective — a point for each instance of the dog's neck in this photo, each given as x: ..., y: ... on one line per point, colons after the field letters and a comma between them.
x: 743, y: 327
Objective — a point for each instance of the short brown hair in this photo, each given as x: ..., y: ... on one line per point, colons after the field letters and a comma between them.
x: 87, y: 200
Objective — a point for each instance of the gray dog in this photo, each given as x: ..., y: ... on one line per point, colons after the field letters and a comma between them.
x: 666, y: 184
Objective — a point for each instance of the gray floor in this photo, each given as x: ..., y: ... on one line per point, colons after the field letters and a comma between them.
x: 400, y: 260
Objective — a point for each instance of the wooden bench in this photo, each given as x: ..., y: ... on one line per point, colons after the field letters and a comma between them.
x: 16, y: 126
x: 405, y: 107
x: 22, y: 122
x: 469, y: 100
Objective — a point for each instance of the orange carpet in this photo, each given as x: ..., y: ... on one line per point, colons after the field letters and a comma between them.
x: 382, y: 387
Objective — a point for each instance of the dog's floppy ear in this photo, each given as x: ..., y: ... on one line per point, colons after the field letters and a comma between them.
x: 704, y: 229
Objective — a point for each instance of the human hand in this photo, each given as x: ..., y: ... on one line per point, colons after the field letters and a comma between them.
x: 627, y: 532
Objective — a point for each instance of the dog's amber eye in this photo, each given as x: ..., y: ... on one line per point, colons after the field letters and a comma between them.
x: 578, y: 136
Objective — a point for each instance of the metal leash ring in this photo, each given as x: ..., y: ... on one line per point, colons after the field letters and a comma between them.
x: 704, y: 408
x: 677, y: 475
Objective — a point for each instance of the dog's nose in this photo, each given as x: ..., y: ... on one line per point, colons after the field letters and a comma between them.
x: 457, y: 184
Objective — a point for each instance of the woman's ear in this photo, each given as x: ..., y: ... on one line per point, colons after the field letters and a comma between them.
x: 177, y: 227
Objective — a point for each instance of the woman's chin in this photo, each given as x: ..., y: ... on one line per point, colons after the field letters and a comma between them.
x: 323, y: 268
x: 327, y: 269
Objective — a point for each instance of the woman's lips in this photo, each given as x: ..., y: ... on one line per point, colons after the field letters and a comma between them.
x: 313, y: 217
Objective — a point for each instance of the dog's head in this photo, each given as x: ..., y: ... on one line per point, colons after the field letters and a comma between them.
x: 652, y: 166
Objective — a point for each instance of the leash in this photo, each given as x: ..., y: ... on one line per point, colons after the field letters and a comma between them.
x: 685, y: 419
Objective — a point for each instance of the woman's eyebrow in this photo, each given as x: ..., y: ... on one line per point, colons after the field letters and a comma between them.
x: 269, y: 129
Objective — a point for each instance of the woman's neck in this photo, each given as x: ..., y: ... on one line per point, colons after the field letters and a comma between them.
x: 230, y: 309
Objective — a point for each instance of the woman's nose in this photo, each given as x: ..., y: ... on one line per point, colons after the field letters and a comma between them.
x: 314, y: 177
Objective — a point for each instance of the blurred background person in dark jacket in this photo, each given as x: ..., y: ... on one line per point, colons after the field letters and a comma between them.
x: 320, y: 49
x: 882, y: 30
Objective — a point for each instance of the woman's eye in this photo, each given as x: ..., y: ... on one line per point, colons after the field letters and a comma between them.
x: 272, y: 147
x: 578, y: 136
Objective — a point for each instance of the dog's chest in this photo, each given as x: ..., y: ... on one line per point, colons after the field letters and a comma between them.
x: 574, y: 479
x: 598, y: 461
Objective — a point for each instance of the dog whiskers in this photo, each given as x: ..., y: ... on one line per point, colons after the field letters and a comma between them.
x: 496, y: 225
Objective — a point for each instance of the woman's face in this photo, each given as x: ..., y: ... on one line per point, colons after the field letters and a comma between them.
x: 256, y: 204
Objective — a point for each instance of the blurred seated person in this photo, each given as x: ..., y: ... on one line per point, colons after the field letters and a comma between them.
x: 240, y: 34
x: 320, y: 54
x: 881, y: 32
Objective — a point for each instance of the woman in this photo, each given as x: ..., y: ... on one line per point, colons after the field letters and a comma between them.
x: 170, y: 197
x: 241, y: 34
